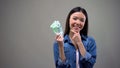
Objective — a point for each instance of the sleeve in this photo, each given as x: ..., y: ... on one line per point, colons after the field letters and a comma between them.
x: 90, y: 57
x: 58, y: 62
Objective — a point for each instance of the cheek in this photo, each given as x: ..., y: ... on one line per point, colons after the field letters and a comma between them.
x: 70, y: 23
x: 83, y: 25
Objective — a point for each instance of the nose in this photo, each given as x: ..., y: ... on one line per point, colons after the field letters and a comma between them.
x: 77, y: 22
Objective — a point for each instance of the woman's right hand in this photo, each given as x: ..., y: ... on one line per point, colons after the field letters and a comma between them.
x: 59, y: 39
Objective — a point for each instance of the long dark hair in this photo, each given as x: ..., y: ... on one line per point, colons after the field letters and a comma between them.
x: 84, y: 31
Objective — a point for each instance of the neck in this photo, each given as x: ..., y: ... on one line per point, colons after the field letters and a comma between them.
x: 71, y: 35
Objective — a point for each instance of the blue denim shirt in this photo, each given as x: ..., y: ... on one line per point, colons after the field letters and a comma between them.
x: 70, y: 53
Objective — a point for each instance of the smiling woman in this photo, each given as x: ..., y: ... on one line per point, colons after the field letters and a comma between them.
x: 76, y: 49
x: 77, y: 21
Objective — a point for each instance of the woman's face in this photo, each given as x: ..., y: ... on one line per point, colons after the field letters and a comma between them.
x: 77, y: 21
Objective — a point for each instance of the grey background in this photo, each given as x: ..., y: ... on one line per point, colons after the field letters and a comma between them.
x: 26, y: 40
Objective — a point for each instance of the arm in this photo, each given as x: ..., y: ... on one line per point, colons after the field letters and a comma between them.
x: 88, y: 55
x: 89, y: 58
x: 59, y: 55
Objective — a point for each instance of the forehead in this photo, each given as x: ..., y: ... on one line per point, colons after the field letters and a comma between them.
x: 78, y: 14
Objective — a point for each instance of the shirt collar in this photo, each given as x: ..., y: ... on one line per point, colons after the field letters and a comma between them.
x: 67, y: 39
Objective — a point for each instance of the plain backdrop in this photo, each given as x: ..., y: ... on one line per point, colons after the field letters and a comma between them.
x: 26, y: 40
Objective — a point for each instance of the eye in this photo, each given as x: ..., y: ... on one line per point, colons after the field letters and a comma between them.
x: 75, y: 18
x: 82, y: 19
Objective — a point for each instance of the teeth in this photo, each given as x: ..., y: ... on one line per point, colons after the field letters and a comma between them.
x: 76, y: 26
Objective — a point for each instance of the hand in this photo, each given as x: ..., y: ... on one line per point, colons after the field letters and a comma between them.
x: 59, y: 39
x: 76, y: 38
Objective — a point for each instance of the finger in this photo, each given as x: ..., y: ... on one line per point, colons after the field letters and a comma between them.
x: 73, y: 31
x: 59, y: 37
x: 74, y: 36
x: 56, y: 36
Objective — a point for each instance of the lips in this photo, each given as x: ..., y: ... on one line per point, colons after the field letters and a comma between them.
x: 76, y: 27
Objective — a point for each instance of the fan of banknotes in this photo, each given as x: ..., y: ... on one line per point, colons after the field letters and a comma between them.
x: 56, y: 27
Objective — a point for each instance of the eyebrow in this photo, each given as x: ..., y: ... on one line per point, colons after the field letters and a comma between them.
x: 79, y: 17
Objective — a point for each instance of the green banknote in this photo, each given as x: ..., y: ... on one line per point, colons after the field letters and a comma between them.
x: 56, y: 27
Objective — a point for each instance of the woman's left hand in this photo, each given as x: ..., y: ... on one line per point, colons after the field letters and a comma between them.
x: 76, y: 37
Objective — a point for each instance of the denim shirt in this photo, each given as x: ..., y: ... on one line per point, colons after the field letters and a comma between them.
x: 87, y: 61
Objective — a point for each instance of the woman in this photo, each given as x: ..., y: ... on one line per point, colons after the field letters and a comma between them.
x: 76, y: 49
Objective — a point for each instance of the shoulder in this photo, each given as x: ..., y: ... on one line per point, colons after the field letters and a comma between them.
x: 91, y: 41
x: 91, y: 44
x: 90, y: 38
x: 87, y: 38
